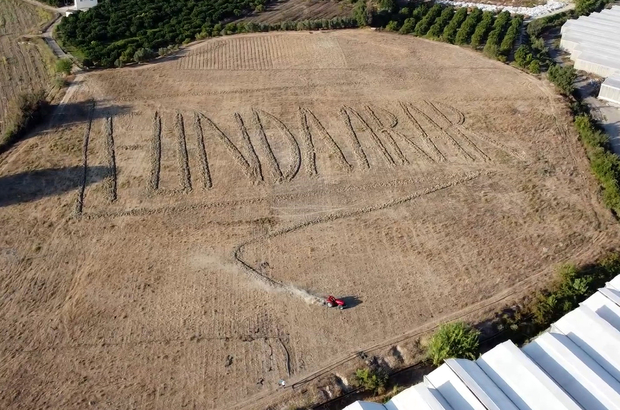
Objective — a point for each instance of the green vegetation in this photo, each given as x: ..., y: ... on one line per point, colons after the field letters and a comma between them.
x: 534, y: 67
x: 64, y: 66
x: 562, y: 77
x: 58, y: 3
x: 482, y: 29
x: 463, y: 36
x: 22, y: 114
x: 373, y: 380
x: 604, y: 163
x: 572, y: 286
x: 449, y: 33
x: 585, y: 7
x: 115, y: 30
x: 456, y: 339
x: 424, y: 25
x: 511, y: 35
x: 537, y: 27
x: 492, y: 47
x: 441, y: 22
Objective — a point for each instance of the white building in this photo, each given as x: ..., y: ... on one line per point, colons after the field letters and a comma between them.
x: 575, y: 365
x: 81, y: 5
x: 594, y: 44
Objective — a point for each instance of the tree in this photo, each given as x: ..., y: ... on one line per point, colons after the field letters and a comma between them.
x: 408, y: 26
x: 458, y: 340
x: 360, y: 13
x: 463, y: 36
x: 441, y: 22
x: 510, y: 36
x: 64, y: 66
x: 425, y: 24
x: 117, y: 29
x: 449, y: 33
x: 482, y: 29
x: 143, y: 54
x: 387, y: 5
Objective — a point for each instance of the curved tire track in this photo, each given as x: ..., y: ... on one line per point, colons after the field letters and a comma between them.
x: 276, y: 285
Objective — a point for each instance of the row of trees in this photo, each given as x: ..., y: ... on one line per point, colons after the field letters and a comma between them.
x: 116, y: 30
x: 497, y: 33
x: 133, y: 55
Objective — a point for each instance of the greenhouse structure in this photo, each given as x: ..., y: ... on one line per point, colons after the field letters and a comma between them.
x: 594, y: 45
x: 610, y: 90
x: 573, y: 365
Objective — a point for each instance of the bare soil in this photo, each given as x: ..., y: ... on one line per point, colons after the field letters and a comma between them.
x: 25, y: 63
x: 166, y: 238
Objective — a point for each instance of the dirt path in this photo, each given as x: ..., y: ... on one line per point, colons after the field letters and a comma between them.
x: 49, y: 31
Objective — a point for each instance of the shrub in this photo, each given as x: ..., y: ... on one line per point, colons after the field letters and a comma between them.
x: 143, y: 54
x: 572, y: 286
x: 408, y: 26
x: 585, y: 7
x: 456, y: 339
x: 392, y: 26
x: 606, y: 167
x: 371, y: 380
x: 390, y: 395
x: 523, y: 55
x: 64, y: 66
x: 534, y: 67
x: 562, y: 77
x: 536, y: 27
x: 604, y: 163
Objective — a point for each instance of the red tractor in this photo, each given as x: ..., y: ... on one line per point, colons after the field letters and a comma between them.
x: 331, y: 301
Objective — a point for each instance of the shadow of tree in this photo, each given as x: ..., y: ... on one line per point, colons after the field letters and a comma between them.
x: 33, y: 185
x: 80, y: 112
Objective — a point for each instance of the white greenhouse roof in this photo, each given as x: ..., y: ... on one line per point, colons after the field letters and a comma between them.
x: 573, y: 365
x: 595, y: 42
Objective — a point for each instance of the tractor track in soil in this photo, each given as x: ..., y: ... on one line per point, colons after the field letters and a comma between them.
x: 291, y: 289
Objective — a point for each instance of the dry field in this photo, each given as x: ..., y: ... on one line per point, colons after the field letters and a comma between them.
x: 25, y: 65
x: 163, y: 241
x: 297, y: 10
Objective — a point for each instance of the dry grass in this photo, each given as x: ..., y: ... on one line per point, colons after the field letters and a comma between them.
x: 26, y: 64
x: 418, y: 179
